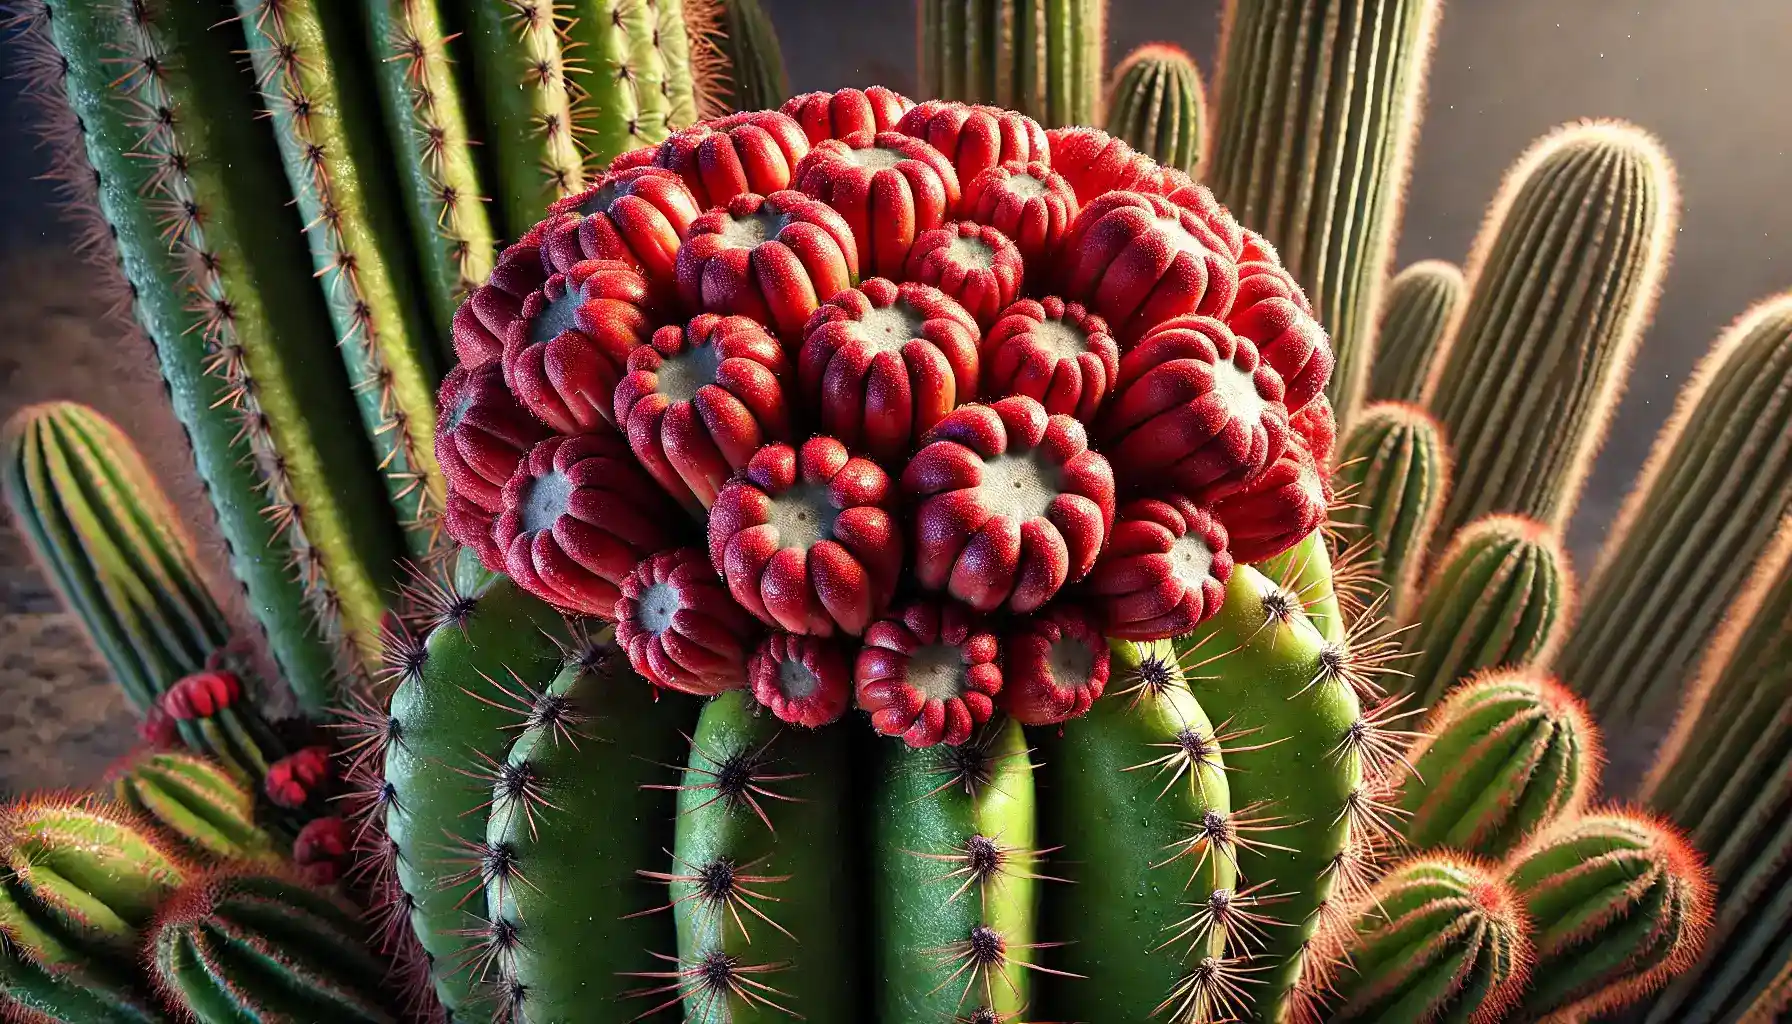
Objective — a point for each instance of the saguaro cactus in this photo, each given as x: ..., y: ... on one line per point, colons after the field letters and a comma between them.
x: 1157, y: 105
x: 1393, y: 475
x: 1043, y: 58
x: 1530, y: 377
x: 1417, y: 313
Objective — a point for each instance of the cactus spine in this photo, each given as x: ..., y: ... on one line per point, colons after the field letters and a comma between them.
x: 1319, y: 104
x: 1394, y: 472
x: 1562, y: 280
x: 1157, y: 105
x: 1043, y: 58
x: 1499, y: 597
x: 1418, y: 312
x: 756, y: 76
x: 195, y: 803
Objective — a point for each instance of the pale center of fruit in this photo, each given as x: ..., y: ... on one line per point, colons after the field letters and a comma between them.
x: 749, y: 231
x: 681, y: 375
x: 1179, y: 237
x: 1061, y: 339
x: 1020, y: 486
x: 972, y: 252
x: 890, y: 328
x: 937, y: 672
x: 558, y: 317
x: 456, y: 414
x: 600, y: 200
x: 1026, y: 186
x: 803, y: 516
x: 657, y: 606
x: 1070, y: 661
x: 1191, y: 560
x: 795, y: 679
x: 1238, y: 390
x: 877, y: 157
x: 545, y: 500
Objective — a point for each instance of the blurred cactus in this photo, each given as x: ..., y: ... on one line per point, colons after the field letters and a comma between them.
x: 195, y: 803
x: 1393, y: 473
x: 756, y: 79
x: 1157, y: 106
x: 1046, y: 63
x: 1417, y: 312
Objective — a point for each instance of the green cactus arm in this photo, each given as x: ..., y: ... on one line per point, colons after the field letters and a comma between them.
x: 32, y: 991
x: 197, y: 803
x: 1394, y: 473
x: 683, y: 34
x: 1156, y: 104
x: 756, y: 76
x: 1417, y: 314
x: 608, y: 107
x: 1043, y: 58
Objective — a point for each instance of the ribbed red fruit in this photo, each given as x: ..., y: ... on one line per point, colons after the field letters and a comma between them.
x: 471, y: 526
x: 753, y: 151
x: 802, y: 680
x: 577, y: 516
x: 805, y: 538
x: 835, y: 115
x: 1223, y: 230
x: 973, y: 263
x: 889, y: 187
x: 928, y: 673
x: 637, y: 216
x: 1055, y: 352
x: 1139, y: 259
x: 1275, y: 511
x: 773, y: 258
x: 1029, y: 202
x: 482, y: 432
x: 698, y: 401
x: 1194, y: 408
x: 976, y: 138
x: 1286, y: 336
x: 1164, y: 571
x: 679, y: 626
x: 1095, y: 163
x: 1009, y: 504
x: 1317, y: 428
x: 629, y: 159
x: 1054, y: 666
x: 882, y: 363
x: 479, y: 325
x: 567, y: 349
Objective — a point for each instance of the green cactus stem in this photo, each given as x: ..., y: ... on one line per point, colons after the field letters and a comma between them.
x: 630, y: 71
x: 1561, y: 282
x: 1499, y: 597
x: 1705, y: 509
x: 1393, y: 472
x: 321, y: 106
x: 1420, y: 308
x: 71, y: 992
x: 1504, y: 756
x: 756, y: 76
x: 1043, y: 59
x: 1444, y: 940
x: 240, y: 948
x: 196, y: 803
x: 1157, y: 105
x: 1318, y: 106
x: 1306, y: 571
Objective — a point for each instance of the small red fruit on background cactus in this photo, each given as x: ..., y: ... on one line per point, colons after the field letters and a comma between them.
x: 1010, y: 503
x: 482, y: 432
x: 803, y: 680
x: 1095, y: 163
x: 882, y: 363
x: 296, y: 778
x: 753, y: 151
x: 1139, y: 259
x: 1028, y: 202
x: 481, y: 322
x: 1164, y: 571
x: 928, y: 673
x: 637, y: 216
x: 1054, y: 666
x: 1054, y: 352
x: 888, y: 186
x: 973, y: 263
x: 805, y: 540
x: 835, y: 115
x: 1271, y: 513
x: 774, y: 258
x: 566, y: 350
x: 700, y: 400
x: 158, y: 730
x: 577, y: 516
x: 976, y: 138
x: 202, y: 695
x: 679, y: 626
x: 321, y: 850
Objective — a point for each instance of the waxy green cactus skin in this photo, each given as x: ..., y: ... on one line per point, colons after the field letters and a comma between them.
x: 1158, y: 106
x: 1394, y: 472
x: 1417, y: 313
x: 633, y: 67
x: 72, y: 992
x: 1043, y: 58
x: 756, y: 76
x: 1305, y: 570
x: 195, y: 802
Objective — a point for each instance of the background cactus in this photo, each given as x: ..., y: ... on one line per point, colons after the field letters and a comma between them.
x: 1043, y: 59
x: 1417, y: 314
x: 1156, y: 104
x: 1393, y: 474
x: 29, y: 991
x: 756, y: 79
x: 194, y: 802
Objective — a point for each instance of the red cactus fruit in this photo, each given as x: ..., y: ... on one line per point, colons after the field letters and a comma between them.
x: 882, y: 363
x: 774, y: 258
x: 754, y: 151
x: 321, y: 850
x: 973, y: 263
x: 1029, y: 202
x: 633, y: 158
x: 1096, y: 163
x: 1222, y: 229
x: 1054, y: 666
x: 297, y: 777
x: 1139, y: 259
x: 1275, y: 511
x: 471, y: 526
x: 1054, y: 352
x: 1010, y: 503
x: 976, y: 138
x: 679, y: 626
x: 888, y: 186
x: 479, y: 325
x: 482, y: 432
x: 1317, y: 427
x: 928, y: 673
x: 202, y: 695
x: 565, y: 352
x: 637, y: 216
x: 700, y: 400
x: 158, y: 730
x: 1164, y: 571
x: 577, y: 516
x: 805, y: 538
x: 1290, y: 341
x: 1195, y: 408
x: 835, y: 115
x: 802, y: 680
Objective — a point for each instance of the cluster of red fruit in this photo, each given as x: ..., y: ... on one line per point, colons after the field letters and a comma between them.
x: 951, y: 397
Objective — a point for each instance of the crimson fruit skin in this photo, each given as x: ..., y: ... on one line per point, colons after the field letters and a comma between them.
x: 1034, y: 215
x: 1195, y: 408
x: 578, y: 514
x: 1138, y: 260
x: 804, y: 681
x: 929, y: 673
x: 1317, y: 427
x: 882, y: 363
x: 835, y: 567
x: 1095, y: 163
x: 1025, y: 353
x: 753, y: 151
x: 1010, y: 503
x: 835, y: 115
x: 471, y: 526
x: 976, y: 138
x: 482, y: 432
x: 631, y: 159
x: 890, y: 188
x: 637, y: 215
x: 699, y: 400
x: 1164, y: 571
x: 1286, y: 336
x: 806, y: 256
x: 1040, y: 684
x: 679, y: 626
x: 973, y: 263
x: 480, y: 324
x: 566, y: 350
x: 1273, y: 512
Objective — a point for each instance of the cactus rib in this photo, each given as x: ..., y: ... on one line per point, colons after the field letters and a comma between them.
x: 1394, y: 472
x: 1157, y: 106
x: 1043, y: 58
x: 196, y: 803
x: 1417, y: 314
x: 756, y: 76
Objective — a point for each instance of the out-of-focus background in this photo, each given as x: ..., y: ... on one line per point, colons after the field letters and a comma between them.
x: 1505, y: 72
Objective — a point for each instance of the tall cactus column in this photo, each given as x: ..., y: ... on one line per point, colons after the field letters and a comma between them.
x: 1319, y: 104
x: 1043, y: 58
